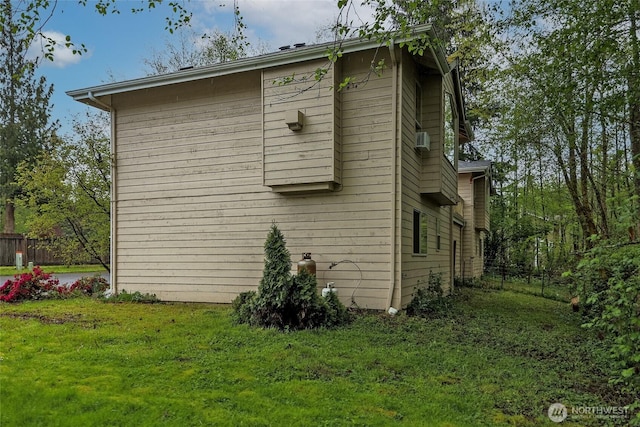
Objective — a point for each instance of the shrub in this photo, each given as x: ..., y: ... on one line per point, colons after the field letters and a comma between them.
x: 30, y: 286
x: 429, y: 301
x: 337, y: 313
x: 470, y: 282
x: 40, y: 285
x: 285, y: 301
x: 608, y: 280
x: 138, y: 297
x: 90, y: 285
x: 242, y: 306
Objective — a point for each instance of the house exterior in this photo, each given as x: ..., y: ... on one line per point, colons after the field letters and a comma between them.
x: 206, y: 159
x: 474, y: 187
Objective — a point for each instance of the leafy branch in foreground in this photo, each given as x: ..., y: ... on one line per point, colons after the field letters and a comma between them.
x: 29, y: 21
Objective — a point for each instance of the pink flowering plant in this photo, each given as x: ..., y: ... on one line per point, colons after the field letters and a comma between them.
x: 40, y: 285
x: 27, y: 286
x: 89, y: 285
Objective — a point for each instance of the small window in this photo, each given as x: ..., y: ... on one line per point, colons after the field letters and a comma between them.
x: 449, y: 129
x: 418, y: 106
x: 438, y: 235
x: 420, y: 228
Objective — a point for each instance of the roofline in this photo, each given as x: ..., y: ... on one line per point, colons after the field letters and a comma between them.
x: 471, y: 169
x: 89, y: 95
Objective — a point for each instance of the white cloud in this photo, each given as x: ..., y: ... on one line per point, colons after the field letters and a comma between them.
x: 288, y: 22
x: 62, y: 55
x: 279, y: 22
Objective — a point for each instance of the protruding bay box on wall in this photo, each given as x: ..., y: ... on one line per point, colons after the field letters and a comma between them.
x: 439, y: 178
x: 301, y: 128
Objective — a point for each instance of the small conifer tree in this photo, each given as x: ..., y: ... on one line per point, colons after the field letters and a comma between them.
x: 285, y: 301
x: 276, y: 276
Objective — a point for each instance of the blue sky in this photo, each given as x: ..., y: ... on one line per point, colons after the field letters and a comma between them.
x: 118, y: 44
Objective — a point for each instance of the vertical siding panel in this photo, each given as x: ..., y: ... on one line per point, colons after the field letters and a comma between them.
x: 308, y: 155
x: 465, y: 188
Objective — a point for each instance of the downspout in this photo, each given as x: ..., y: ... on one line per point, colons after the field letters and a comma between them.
x: 113, y: 202
x: 478, y: 177
x: 394, y: 172
x: 462, y: 250
x: 452, y: 272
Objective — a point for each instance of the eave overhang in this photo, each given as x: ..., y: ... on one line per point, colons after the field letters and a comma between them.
x: 99, y: 96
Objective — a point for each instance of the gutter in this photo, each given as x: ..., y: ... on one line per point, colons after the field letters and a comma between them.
x: 478, y: 177
x: 256, y: 63
x: 98, y: 102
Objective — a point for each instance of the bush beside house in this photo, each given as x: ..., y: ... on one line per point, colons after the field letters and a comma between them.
x: 285, y: 301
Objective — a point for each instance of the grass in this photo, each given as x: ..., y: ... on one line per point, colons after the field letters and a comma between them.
x: 11, y: 271
x: 500, y: 358
x: 553, y: 290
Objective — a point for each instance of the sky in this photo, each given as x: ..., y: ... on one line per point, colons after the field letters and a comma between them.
x: 118, y: 43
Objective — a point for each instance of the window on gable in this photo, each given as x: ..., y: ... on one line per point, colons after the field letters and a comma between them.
x: 420, y: 228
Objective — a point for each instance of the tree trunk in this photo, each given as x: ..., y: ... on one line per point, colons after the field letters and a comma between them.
x: 9, y: 218
x: 570, y: 175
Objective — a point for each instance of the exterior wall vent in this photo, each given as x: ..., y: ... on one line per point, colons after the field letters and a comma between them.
x: 423, y: 141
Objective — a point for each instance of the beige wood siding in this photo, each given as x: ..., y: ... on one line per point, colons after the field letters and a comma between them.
x: 310, y: 155
x: 438, y: 177
x: 192, y: 209
x: 458, y: 238
x: 481, y: 202
x: 471, y: 259
x: 416, y: 268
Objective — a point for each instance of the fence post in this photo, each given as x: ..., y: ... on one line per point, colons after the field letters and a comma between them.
x: 25, y: 248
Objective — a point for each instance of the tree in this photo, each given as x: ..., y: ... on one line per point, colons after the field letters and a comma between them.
x: 25, y: 127
x: 569, y: 103
x: 463, y: 31
x: 573, y: 61
x: 28, y: 23
x: 191, y: 50
x: 67, y: 191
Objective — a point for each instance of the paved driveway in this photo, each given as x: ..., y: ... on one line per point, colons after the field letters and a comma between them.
x: 65, y: 278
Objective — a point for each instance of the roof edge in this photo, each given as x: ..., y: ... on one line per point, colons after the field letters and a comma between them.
x: 89, y: 95
x: 474, y: 166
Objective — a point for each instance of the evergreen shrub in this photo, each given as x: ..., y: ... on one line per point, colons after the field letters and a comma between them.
x: 285, y: 301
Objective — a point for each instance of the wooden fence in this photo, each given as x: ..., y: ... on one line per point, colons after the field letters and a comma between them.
x: 11, y: 244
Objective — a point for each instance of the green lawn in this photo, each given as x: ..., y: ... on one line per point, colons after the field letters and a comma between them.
x: 501, y: 358
x: 556, y: 291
